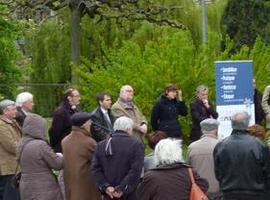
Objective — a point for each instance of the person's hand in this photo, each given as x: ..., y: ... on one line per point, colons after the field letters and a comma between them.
x: 143, y: 128
x: 118, y: 194
x: 180, y: 95
x: 206, y: 103
x: 59, y: 154
x: 110, y: 191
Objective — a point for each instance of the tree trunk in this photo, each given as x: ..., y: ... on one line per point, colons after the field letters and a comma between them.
x: 76, y: 15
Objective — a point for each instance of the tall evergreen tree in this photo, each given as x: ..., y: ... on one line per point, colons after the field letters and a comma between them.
x: 244, y: 20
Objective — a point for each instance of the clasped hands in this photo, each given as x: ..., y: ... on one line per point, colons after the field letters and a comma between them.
x: 113, y: 193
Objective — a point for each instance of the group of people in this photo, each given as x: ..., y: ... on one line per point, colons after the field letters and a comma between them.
x: 100, y: 154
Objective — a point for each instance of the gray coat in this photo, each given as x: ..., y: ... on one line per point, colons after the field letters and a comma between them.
x: 200, y: 157
x: 37, y: 160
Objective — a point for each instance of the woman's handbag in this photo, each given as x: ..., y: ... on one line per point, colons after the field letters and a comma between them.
x: 195, y: 193
x: 155, y: 137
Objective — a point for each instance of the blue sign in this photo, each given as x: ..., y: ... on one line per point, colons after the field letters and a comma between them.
x: 234, y: 82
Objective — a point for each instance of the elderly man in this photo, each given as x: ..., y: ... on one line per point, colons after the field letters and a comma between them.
x: 266, y: 105
x: 200, y: 156
x: 118, y: 162
x: 242, y: 164
x: 201, y: 108
x: 125, y: 106
x: 25, y: 105
x: 78, y: 149
x: 10, y: 134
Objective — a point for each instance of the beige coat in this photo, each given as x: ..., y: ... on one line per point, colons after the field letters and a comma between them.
x: 10, y: 134
x: 200, y: 157
x: 78, y: 148
x: 266, y: 106
x: 120, y: 109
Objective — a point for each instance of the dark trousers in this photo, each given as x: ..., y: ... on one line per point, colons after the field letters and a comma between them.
x: 7, y: 192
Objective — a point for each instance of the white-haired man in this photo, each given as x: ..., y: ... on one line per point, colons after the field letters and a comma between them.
x: 125, y: 106
x: 10, y: 134
x: 200, y: 156
x: 118, y: 162
x: 25, y: 105
x: 242, y: 164
x: 170, y: 179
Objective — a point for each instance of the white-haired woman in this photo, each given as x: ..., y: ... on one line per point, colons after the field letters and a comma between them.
x: 170, y: 179
x: 25, y: 105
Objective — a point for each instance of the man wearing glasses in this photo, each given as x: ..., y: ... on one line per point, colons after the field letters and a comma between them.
x: 125, y: 106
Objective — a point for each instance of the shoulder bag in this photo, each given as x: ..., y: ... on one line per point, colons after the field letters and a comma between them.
x: 195, y: 193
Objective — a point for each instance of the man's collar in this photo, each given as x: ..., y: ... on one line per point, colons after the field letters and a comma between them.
x: 5, y: 119
x: 104, y: 111
x: 24, y: 111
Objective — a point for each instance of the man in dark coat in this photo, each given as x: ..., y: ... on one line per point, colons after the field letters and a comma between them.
x: 166, y: 111
x: 200, y: 110
x: 242, y: 164
x: 102, y: 118
x: 118, y: 162
x: 61, y: 122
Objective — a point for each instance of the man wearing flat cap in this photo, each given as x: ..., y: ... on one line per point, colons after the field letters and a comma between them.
x: 200, y: 156
x: 78, y: 149
x: 10, y: 134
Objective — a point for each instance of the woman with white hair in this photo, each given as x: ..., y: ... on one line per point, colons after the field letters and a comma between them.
x: 170, y: 179
x: 25, y: 105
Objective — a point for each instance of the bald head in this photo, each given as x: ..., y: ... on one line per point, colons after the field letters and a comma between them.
x: 240, y: 121
x: 126, y: 93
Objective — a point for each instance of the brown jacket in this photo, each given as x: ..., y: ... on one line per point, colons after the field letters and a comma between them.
x: 169, y: 182
x: 10, y: 134
x: 120, y: 109
x: 78, y: 148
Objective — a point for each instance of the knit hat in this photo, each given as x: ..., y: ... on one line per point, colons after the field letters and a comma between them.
x: 79, y: 118
x: 209, y: 124
x: 5, y: 103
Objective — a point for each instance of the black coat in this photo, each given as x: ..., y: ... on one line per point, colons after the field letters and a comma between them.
x: 259, y: 113
x: 165, y: 116
x: 61, y: 125
x: 20, y: 116
x: 100, y: 127
x: 242, y: 164
x: 120, y: 166
x: 199, y: 113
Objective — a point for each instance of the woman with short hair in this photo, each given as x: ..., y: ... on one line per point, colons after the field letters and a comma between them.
x: 166, y: 111
x: 170, y: 179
